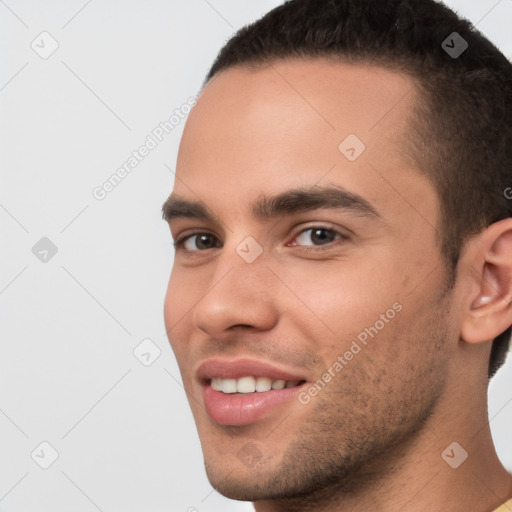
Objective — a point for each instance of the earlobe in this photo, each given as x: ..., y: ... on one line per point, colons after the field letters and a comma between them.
x: 490, y: 306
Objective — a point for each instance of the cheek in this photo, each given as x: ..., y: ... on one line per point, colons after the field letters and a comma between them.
x: 176, y: 306
x: 169, y: 305
x: 183, y: 291
x: 343, y: 298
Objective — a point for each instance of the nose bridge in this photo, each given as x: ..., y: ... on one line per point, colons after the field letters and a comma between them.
x: 242, y: 266
x: 239, y: 292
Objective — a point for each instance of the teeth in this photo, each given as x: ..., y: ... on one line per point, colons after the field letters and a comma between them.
x: 216, y: 384
x: 278, y: 384
x: 263, y: 384
x: 250, y: 384
x: 228, y: 385
x: 246, y: 385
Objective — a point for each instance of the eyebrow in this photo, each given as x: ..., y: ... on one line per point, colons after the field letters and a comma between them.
x: 290, y: 202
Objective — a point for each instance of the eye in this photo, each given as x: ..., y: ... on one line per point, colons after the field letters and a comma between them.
x: 196, y: 242
x: 310, y: 237
x: 316, y: 236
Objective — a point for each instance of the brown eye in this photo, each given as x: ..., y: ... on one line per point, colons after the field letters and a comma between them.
x: 317, y: 236
x: 196, y: 242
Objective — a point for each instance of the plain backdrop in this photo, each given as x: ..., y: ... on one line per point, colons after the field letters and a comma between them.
x: 82, y: 279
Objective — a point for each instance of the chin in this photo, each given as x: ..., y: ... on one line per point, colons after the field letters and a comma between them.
x: 246, y: 474
x: 247, y: 487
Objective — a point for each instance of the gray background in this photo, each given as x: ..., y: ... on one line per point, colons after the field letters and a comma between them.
x: 123, y: 431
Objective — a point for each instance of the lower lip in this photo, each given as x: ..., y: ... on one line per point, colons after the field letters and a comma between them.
x: 231, y: 409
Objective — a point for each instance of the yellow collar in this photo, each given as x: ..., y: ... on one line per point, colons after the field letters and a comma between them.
x: 506, y: 507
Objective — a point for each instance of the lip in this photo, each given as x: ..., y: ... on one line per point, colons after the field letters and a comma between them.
x: 237, y: 410
x: 237, y: 368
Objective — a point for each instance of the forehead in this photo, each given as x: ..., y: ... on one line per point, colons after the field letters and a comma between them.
x: 300, y: 123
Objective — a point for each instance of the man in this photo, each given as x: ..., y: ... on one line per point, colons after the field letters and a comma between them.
x: 342, y: 285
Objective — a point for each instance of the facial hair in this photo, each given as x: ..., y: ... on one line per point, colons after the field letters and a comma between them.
x: 359, y: 423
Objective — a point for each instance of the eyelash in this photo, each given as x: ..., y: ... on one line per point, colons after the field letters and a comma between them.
x: 178, y: 243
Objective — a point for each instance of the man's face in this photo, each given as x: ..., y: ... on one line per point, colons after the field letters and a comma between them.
x: 341, y: 295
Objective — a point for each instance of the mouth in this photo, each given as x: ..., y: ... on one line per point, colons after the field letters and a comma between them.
x: 241, y: 392
x: 250, y: 384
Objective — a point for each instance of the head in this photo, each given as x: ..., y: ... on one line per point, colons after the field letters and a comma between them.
x: 341, y: 211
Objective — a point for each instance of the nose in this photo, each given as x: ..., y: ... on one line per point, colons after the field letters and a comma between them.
x: 239, y: 294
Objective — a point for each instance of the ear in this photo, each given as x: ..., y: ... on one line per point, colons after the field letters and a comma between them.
x: 488, y: 305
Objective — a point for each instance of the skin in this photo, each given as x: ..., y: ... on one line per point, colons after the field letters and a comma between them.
x: 373, y: 436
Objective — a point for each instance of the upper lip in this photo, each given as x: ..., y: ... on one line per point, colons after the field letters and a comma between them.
x: 243, y: 367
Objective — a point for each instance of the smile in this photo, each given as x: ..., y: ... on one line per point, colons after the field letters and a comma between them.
x: 244, y: 391
x: 250, y: 384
